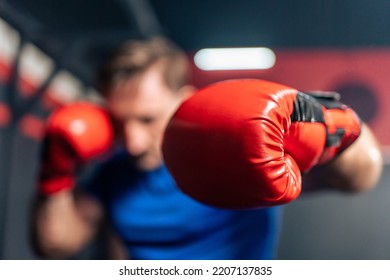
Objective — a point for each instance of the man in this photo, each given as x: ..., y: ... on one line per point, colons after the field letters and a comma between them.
x: 143, y: 84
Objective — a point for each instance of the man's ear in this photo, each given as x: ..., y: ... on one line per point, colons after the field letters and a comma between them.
x: 186, y: 92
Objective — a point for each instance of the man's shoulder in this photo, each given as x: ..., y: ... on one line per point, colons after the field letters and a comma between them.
x: 116, y: 161
x: 113, y: 171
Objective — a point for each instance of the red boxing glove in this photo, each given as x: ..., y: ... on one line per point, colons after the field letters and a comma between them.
x: 244, y: 143
x: 75, y: 134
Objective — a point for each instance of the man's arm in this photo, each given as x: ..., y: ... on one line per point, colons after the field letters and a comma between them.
x: 64, y: 223
x: 246, y: 144
x: 358, y: 168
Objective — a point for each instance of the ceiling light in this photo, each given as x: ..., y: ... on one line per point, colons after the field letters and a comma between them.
x: 234, y: 58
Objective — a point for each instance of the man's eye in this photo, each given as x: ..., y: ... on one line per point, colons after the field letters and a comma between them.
x: 146, y: 120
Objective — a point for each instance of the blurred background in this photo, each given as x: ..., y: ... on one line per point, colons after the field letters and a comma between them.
x: 49, y: 52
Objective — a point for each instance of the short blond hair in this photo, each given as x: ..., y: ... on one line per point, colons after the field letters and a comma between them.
x: 136, y: 56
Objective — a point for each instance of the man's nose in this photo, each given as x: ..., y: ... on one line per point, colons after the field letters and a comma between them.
x: 136, y: 139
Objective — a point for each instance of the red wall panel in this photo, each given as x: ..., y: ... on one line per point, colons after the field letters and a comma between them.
x: 365, y: 72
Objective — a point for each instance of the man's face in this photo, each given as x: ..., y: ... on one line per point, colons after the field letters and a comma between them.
x: 141, y: 107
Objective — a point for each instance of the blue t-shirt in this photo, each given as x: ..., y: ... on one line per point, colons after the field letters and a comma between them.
x: 157, y: 221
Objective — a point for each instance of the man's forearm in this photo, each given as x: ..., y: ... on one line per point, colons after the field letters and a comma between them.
x: 358, y: 168
x: 60, y: 227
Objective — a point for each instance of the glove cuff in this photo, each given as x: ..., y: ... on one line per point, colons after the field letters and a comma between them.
x: 54, y: 185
